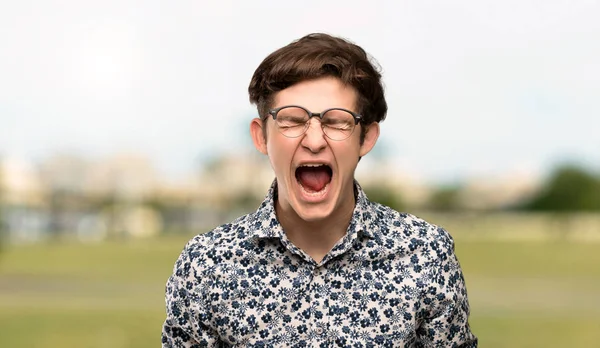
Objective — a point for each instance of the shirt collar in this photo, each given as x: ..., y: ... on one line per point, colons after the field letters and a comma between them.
x: 364, y: 215
x: 267, y: 225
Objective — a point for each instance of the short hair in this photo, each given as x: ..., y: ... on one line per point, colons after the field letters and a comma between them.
x: 319, y: 55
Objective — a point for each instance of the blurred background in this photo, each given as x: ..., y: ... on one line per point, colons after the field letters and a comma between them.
x: 124, y: 132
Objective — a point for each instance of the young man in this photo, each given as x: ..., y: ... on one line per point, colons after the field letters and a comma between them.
x: 318, y: 264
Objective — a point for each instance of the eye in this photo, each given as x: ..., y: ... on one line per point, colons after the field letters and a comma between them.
x: 291, y: 117
x: 339, y: 126
x: 338, y: 119
x: 290, y: 121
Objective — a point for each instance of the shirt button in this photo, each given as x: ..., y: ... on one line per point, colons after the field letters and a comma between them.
x: 319, y: 331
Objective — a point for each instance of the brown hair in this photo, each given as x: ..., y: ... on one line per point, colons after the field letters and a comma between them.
x: 318, y: 55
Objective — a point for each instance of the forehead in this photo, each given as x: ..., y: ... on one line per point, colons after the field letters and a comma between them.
x: 318, y: 94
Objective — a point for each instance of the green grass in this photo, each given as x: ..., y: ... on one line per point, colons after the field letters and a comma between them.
x: 80, y: 327
x: 522, y: 294
x: 549, y: 259
x: 524, y: 329
x: 533, y: 294
x: 72, y: 295
x: 137, y: 261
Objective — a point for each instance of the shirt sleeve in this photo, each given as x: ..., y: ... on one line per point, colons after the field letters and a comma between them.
x: 187, y: 322
x: 446, y: 305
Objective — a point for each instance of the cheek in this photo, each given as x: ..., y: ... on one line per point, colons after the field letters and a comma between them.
x: 280, y: 154
x: 347, y: 156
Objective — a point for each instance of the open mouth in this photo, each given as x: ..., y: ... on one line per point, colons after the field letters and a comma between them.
x: 314, y: 178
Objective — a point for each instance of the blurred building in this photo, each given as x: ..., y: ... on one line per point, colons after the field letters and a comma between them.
x: 124, y: 196
x: 23, y: 209
x: 67, y: 196
x: 499, y: 192
x: 228, y: 178
x: 381, y: 172
x: 124, y: 176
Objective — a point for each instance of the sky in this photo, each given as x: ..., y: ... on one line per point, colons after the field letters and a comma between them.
x: 474, y: 88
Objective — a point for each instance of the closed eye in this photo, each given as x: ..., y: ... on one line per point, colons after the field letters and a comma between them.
x: 290, y: 121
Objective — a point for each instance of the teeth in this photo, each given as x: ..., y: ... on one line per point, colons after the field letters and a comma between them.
x: 313, y: 165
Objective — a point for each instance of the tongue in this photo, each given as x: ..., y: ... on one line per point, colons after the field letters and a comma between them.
x: 313, y: 178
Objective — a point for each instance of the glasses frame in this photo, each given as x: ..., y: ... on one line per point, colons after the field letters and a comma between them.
x: 357, y: 119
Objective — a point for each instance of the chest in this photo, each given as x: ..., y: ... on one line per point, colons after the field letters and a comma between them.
x: 289, y: 302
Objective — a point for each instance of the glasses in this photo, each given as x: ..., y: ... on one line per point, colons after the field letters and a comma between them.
x: 337, y: 123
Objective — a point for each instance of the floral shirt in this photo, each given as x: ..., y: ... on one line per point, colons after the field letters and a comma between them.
x: 392, y: 281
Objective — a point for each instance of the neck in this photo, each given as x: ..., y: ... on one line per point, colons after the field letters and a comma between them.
x: 316, y: 238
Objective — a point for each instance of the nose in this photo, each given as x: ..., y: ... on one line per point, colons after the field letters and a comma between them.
x: 314, y: 138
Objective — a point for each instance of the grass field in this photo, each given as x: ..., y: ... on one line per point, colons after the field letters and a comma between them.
x: 523, y: 294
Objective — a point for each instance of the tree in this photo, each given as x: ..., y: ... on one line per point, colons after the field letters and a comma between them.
x: 570, y: 188
x: 445, y: 198
x: 385, y: 195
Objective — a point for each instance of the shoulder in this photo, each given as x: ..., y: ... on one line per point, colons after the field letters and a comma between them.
x: 411, y: 232
x: 218, y: 245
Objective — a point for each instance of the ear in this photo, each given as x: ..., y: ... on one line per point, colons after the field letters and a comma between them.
x: 371, y: 136
x: 258, y: 136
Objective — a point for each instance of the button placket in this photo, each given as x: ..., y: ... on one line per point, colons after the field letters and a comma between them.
x: 320, y: 325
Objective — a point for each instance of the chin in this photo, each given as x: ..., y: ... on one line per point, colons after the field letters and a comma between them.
x: 313, y: 213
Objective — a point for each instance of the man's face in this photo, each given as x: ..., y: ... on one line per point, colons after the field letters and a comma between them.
x: 314, y: 173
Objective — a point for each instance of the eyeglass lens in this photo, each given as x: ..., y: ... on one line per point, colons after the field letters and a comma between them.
x: 336, y: 124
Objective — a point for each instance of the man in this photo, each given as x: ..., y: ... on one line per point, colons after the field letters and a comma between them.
x: 318, y: 264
